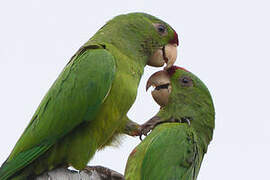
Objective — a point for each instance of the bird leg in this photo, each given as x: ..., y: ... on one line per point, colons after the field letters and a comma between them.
x: 132, y: 129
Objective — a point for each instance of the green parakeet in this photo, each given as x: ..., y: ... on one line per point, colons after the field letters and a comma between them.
x: 182, y: 129
x: 85, y: 109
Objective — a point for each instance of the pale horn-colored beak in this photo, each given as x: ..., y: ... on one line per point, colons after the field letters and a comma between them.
x: 157, y: 59
x: 170, y: 55
x: 161, y: 82
x: 166, y: 54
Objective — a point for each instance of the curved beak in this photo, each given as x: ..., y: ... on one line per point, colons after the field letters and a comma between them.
x: 166, y: 54
x: 162, y: 84
x: 170, y: 54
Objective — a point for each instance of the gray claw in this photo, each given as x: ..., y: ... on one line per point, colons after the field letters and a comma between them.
x: 186, y: 119
x: 149, y: 125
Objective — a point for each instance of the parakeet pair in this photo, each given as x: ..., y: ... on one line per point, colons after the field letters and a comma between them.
x: 182, y: 129
x: 85, y: 109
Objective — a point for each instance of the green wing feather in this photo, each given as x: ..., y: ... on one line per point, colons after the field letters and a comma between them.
x: 75, y: 97
x: 21, y: 160
x: 168, y: 152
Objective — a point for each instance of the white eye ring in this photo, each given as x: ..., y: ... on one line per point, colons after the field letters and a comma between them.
x: 161, y: 29
x: 186, y: 81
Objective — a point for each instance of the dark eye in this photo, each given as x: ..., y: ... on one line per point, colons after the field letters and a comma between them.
x: 186, y: 81
x: 161, y: 29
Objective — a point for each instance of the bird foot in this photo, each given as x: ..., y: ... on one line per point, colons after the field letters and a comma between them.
x: 105, y: 173
x: 153, y: 122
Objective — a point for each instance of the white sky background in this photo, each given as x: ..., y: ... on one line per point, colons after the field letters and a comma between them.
x: 225, y: 43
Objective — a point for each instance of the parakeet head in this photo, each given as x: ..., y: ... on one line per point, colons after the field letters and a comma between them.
x: 176, y: 84
x: 183, y: 96
x: 142, y: 36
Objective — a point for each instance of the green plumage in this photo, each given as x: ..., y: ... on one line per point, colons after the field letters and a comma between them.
x: 175, y: 150
x: 85, y: 109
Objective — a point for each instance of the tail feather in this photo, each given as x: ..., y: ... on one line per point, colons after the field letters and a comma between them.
x: 11, y: 167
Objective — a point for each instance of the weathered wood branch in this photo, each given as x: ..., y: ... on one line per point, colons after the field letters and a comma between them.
x: 89, y: 173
